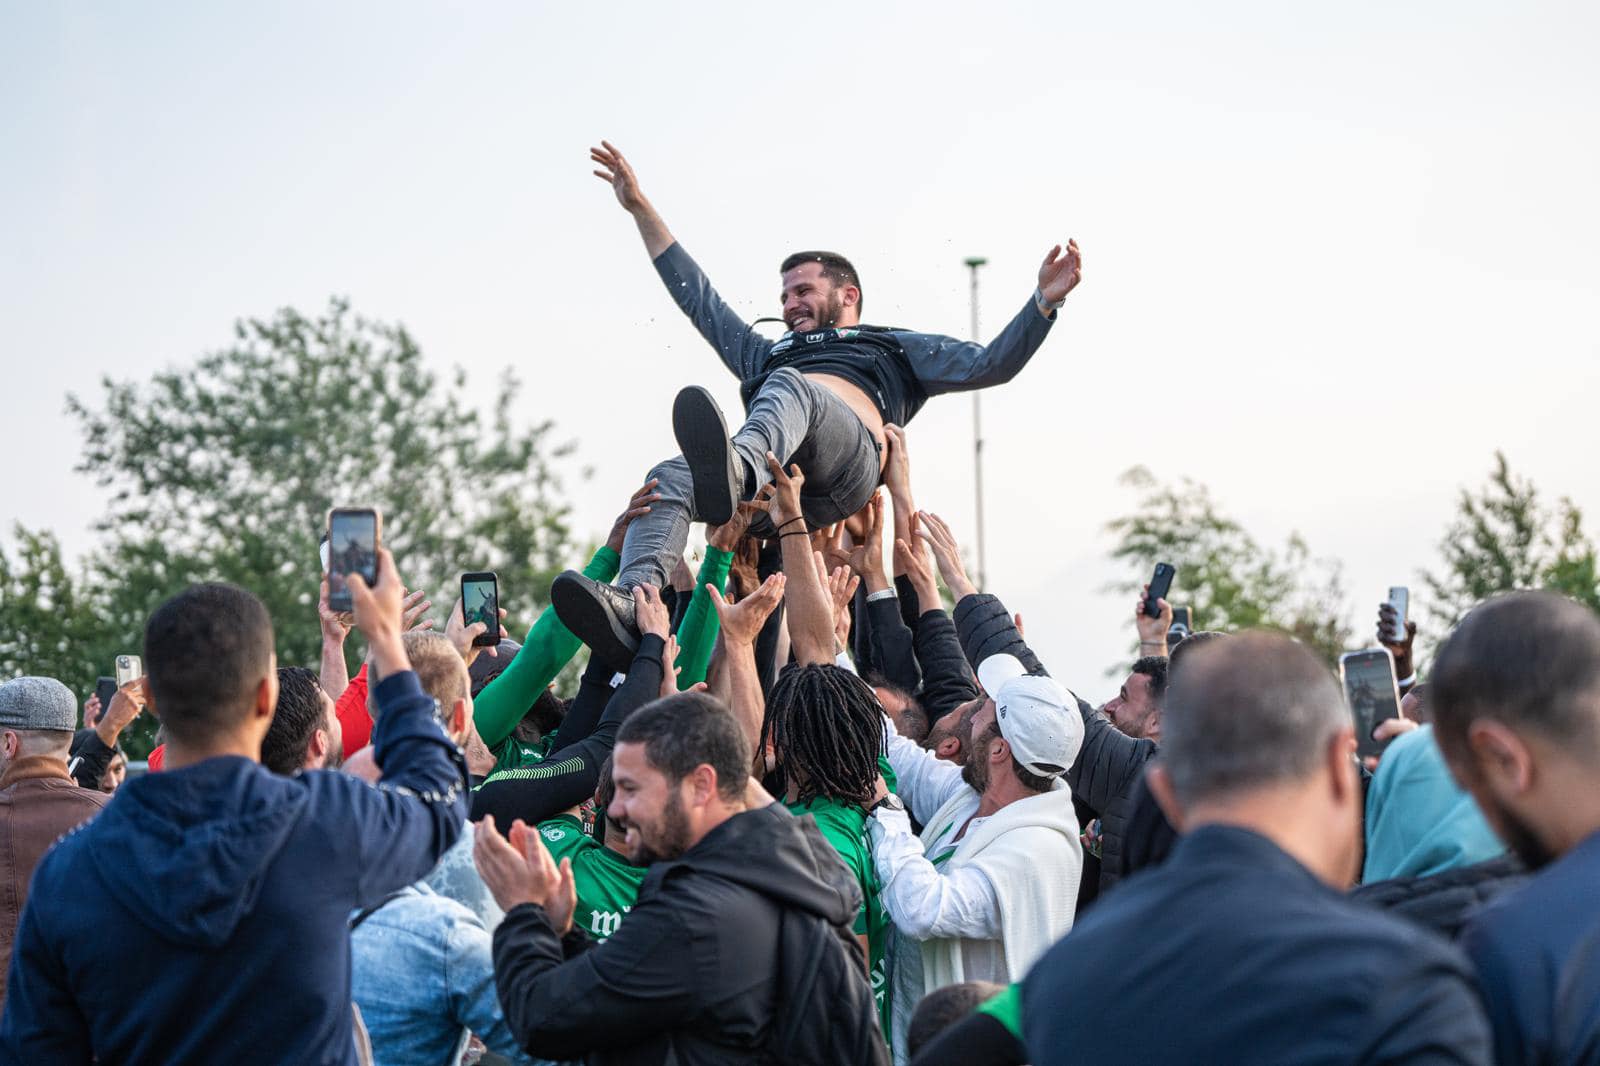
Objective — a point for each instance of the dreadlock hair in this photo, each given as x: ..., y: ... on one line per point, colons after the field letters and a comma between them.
x: 826, y: 728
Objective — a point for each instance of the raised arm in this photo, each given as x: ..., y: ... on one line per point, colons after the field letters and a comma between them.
x: 742, y: 349
x: 741, y: 625
x: 810, y: 605
x: 945, y: 364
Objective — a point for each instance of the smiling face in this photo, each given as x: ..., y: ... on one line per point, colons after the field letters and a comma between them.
x: 813, y: 302
x: 1133, y: 709
x: 648, y: 807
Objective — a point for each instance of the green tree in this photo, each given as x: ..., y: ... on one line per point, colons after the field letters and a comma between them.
x: 225, y: 470
x: 45, y: 618
x: 1504, y: 537
x: 1227, y: 578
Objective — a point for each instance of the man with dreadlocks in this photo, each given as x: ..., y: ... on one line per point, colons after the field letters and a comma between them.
x: 822, y: 735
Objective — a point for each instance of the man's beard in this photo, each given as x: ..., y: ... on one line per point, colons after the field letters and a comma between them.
x: 671, y: 841
x: 1521, y: 839
x: 975, y: 772
x: 830, y: 315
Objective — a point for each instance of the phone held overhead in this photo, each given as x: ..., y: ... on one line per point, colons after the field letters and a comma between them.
x: 1160, y: 585
x: 353, y: 541
x: 480, y: 602
x: 1372, y: 692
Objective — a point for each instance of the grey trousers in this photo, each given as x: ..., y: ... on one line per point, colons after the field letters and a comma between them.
x: 795, y: 419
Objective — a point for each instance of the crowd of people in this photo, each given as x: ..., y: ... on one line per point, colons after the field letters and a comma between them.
x: 819, y: 802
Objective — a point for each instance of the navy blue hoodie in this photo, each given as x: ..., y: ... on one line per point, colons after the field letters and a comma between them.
x: 203, y: 916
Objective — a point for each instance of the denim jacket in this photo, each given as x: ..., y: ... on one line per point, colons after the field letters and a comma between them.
x: 423, y: 976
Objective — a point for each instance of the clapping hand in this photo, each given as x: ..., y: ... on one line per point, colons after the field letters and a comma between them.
x: 520, y: 870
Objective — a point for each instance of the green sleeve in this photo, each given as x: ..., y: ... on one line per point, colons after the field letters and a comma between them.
x: 549, y: 647
x: 1005, y: 1007
x: 697, y: 633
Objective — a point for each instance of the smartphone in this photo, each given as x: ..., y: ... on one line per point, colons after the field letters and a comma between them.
x: 1400, y: 600
x: 352, y: 549
x: 105, y: 688
x: 1371, y: 690
x: 1160, y: 585
x: 1180, y: 617
x: 480, y: 602
x: 129, y: 668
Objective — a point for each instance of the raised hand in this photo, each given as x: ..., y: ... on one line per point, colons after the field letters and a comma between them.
x: 866, y: 558
x: 911, y: 559
x: 1152, y: 631
x: 842, y: 587
x: 897, y: 464
x: 947, y: 554
x: 782, y: 497
x: 650, y: 613
x: 462, y: 636
x: 336, y: 625
x: 125, y: 707
x: 669, y: 668
x: 1402, y: 650
x: 617, y: 172
x: 741, y: 622
x: 727, y: 536
x: 638, y: 504
x: 1060, y: 272
x: 416, y: 605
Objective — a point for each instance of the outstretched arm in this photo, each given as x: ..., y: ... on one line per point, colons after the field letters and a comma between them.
x: 616, y: 171
x: 945, y: 364
x: 742, y: 349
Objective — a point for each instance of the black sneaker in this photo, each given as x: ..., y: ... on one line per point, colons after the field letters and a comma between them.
x: 714, y: 465
x: 598, y: 614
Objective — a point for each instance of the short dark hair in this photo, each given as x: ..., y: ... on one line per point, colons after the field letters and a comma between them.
x: 205, y: 652
x: 1253, y: 710
x: 687, y: 730
x: 835, y: 267
x: 944, y: 1007
x: 298, y: 714
x: 546, y: 714
x: 1530, y: 660
x: 1155, y: 668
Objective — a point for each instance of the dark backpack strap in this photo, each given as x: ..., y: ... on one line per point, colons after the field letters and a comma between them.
x: 374, y: 909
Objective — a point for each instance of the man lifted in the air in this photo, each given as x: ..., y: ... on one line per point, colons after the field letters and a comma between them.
x: 819, y: 398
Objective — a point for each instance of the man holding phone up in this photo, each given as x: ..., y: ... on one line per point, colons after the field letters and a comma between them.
x: 819, y: 397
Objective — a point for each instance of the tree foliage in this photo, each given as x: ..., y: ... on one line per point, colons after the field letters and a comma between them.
x: 1228, y: 579
x: 224, y: 470
x: 1504, y: 537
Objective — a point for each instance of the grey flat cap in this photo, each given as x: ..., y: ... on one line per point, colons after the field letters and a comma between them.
x: 37, y: 703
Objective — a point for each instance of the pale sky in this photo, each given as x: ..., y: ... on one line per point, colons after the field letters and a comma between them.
x: 1335, y: 254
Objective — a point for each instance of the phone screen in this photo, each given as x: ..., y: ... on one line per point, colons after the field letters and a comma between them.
x: 352, y: 549
x: 480, y: 602
x: 1369, y: 686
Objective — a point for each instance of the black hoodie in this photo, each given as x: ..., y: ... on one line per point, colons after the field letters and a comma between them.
x: 692, y: 974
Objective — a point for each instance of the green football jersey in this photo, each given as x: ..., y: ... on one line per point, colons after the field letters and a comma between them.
x: 608, y: 885
x: 513, y: 754
x: 844, y: 825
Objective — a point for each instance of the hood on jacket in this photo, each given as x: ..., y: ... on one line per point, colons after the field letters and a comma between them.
x: 784, y: 858
x: 1419, y: 821
x: 186, y: 849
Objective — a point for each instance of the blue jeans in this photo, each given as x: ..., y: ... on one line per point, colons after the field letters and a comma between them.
x: 795, y: 419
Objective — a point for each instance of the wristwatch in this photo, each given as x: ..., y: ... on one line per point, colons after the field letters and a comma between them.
x: 1044, y: 305
x: 891, y: 802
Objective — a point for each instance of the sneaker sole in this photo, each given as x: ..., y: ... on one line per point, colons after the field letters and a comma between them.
x: 703, y: 439
x: 586, y: 616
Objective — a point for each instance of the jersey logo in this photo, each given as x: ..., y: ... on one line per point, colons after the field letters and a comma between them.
x: 555, y: 834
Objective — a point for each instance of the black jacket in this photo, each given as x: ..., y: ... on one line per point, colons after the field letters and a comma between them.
x: 946, y: 679
x: 691, y: 975
x: 1444, y: 901
x: 1232, y: 952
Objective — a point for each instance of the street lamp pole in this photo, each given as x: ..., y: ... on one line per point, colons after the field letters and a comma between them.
x: 973, y: 264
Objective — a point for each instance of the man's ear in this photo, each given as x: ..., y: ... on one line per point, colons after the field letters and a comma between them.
x: 459, y: 716
x: 947, y: 747
x: 1504, y: 761
x: 267, y: 694
x: 1166, y: 797
x: 1346, y: 782
x: 850, y: 296
x: 702, y: 781
x: 317, y: 750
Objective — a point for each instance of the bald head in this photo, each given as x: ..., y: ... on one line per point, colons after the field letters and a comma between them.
x: 1253, y: 711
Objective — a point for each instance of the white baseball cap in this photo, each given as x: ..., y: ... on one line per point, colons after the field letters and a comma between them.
x: 1038, y: 718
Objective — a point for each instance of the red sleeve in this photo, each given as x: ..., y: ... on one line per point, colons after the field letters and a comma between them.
x: 157, y: 760
x: 351, y: 708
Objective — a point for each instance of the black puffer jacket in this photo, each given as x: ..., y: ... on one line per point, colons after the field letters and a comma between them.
x: 1110, y: 763
x: 696, y: 972
x: 1444, y: 901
